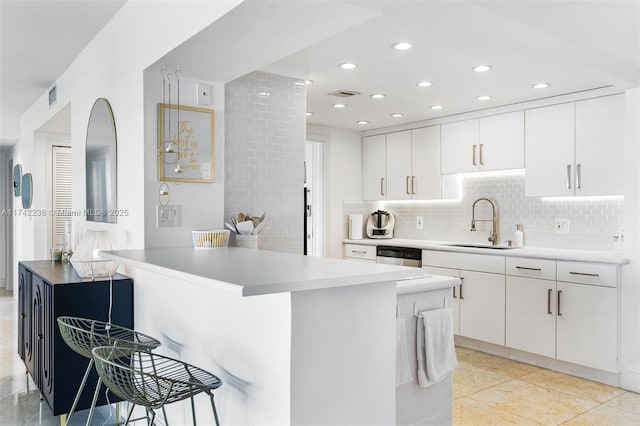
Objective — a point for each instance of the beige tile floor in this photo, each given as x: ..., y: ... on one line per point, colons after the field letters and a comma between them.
x: 490, y: 390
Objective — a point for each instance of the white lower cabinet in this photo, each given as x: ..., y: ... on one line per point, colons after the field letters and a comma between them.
x: 360, y: 252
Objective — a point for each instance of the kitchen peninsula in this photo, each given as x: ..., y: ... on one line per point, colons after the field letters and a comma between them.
x: 295, y: 339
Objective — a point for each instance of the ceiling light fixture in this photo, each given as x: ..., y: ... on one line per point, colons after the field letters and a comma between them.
x: 397, y: 114
x: 483, y: 98
x: 436, y: 107
x: 541, y: 85
x: 348, y: 66
x: 402, y: 45
x: 362, y: 122
x: 308, y: 82
x: 481, y: 68
x: 424, y: 83
x: 339, y: 105
x: 378, y: 95
x: 308, y: 113
x: 264, y: 94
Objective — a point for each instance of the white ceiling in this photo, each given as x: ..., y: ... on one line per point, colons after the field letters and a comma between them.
x: 574, y: 45
x: 38, y: 41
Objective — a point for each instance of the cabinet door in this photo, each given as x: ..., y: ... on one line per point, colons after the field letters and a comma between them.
x: 549, y: 148
x: 530, y: 315
x: 460, y: 151
x: 455, y: 292
x: 399, y: 165
x: 482, y: 301
x: 501, y: 144
x: 599, y: 146
x: 426, y: 181
x: 374, y: 160
x: 587, y: 325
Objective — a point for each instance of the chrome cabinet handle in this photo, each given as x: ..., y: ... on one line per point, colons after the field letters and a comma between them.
x: 481, y: 156
x: 461, y: 284
x: 454, y: 293
x: 578, y: 176
x: 528, y: 269
x: 559, y: 293
x: 475, y: 163
x: 549, y: 291
x: 586, y: 274
x: 407, y: 185
x: 568, y: 176
x: 381, y: 186
x: 359, y: 251
x: 413, y: 185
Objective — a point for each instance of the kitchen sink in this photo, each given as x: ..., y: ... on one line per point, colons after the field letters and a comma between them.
x: 482, y: 246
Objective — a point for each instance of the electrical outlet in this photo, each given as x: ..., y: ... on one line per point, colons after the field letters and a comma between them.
x: 168, y: 216
x: 562, y: 226
x: 204, y: 94
x: 419, y: 222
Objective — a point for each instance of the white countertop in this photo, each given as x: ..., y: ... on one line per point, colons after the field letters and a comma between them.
x: 533, y: 252
x: 426, y: 283
x: 249, y: 272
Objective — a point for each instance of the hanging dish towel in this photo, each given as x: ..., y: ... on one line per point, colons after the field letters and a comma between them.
x: 436, y: 352
x: 403, y: 370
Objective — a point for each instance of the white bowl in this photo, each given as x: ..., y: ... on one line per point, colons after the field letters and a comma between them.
x: 245, y: 228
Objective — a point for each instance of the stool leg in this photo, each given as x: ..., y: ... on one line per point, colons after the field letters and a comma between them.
x: 193, y: 407
x: 75, y: 401
x: 118, y: 412
x: 153, y: 416
x: 63, y: 420
x: 93, y: 402
x: 126, y: 422
x: 215, y: 412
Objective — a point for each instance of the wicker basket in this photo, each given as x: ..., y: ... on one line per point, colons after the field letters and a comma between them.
x: 210, y: 239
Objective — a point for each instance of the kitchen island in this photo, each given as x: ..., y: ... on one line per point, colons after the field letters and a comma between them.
x: 295, y: 339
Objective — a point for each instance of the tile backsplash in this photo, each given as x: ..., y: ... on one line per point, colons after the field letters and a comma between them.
x: 592, y: 221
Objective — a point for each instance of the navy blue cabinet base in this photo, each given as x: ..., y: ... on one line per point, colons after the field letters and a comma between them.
x: 47, y: 290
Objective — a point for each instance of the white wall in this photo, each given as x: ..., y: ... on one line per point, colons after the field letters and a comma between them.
x: 343, y: 180
x: 201, y: 204
x: 5, y: 186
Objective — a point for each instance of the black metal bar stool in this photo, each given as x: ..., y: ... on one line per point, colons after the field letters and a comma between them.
x: 82, y: 335
x: 152, y: 380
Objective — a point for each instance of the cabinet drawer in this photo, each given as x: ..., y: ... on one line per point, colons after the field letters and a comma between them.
x: 358, y: 251
x: 588, y: 273
x: 467, y: 261
x: 531, y: 268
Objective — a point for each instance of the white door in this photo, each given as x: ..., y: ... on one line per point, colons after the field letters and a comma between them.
x: 587, y: 325
x: 374, y: 163
x: 531, y: 315
x: 399, y: 165
x: 482, y: 299
x: 455, y: 292
x: 426, y: 182
x: 599, y: 146
x: 460, y: 151
x: 501, y: 145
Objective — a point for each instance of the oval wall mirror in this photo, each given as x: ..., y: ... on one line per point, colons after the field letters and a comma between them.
x: 101, y: 167
x: 17, y: 179
x: 27, y: 190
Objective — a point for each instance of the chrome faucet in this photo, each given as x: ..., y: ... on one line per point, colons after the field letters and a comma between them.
x: 494, y: 220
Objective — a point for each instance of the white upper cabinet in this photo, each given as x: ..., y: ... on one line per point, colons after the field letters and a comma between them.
x: 426, y: 183
x: 399, y: 174
x: 485, y: 144
x: 501, y: 144
x: 549, y: 150
x: 599, y: 146
x: 460, y: 147
x: 575, y: 148
x: 374, y: 167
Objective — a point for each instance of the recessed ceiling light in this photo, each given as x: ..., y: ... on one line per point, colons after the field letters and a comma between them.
x: 308, y: 113
x: 483, y: 98
x: 436, y: 107
x: 397, y: 114
x: 264, y: 94
x: 481, y: 68
x: 308, y: 82
x: 339, y: 105
x: 402, y: 45
x: 541, y: 85
x: 424, y: 83
x: 348, y: 66
x: 362, y: 122
x: 378, y: 95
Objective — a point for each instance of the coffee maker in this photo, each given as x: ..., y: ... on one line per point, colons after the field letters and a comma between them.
x: 380, y: 224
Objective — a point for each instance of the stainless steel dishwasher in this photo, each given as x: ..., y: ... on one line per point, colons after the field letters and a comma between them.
x: 399, y: 256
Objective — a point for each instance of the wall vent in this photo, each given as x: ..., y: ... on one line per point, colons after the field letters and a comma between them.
x: 343, y: 93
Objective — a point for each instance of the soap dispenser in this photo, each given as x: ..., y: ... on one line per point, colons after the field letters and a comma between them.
x: 518, y: 236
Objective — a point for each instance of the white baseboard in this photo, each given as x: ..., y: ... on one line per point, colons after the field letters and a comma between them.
x: 630, y: 380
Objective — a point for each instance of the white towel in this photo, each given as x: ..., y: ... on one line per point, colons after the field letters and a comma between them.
x: 403, y: 370
x: 436, y: 352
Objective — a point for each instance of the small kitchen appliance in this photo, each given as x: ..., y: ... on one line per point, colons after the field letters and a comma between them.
x: 380, y: 224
